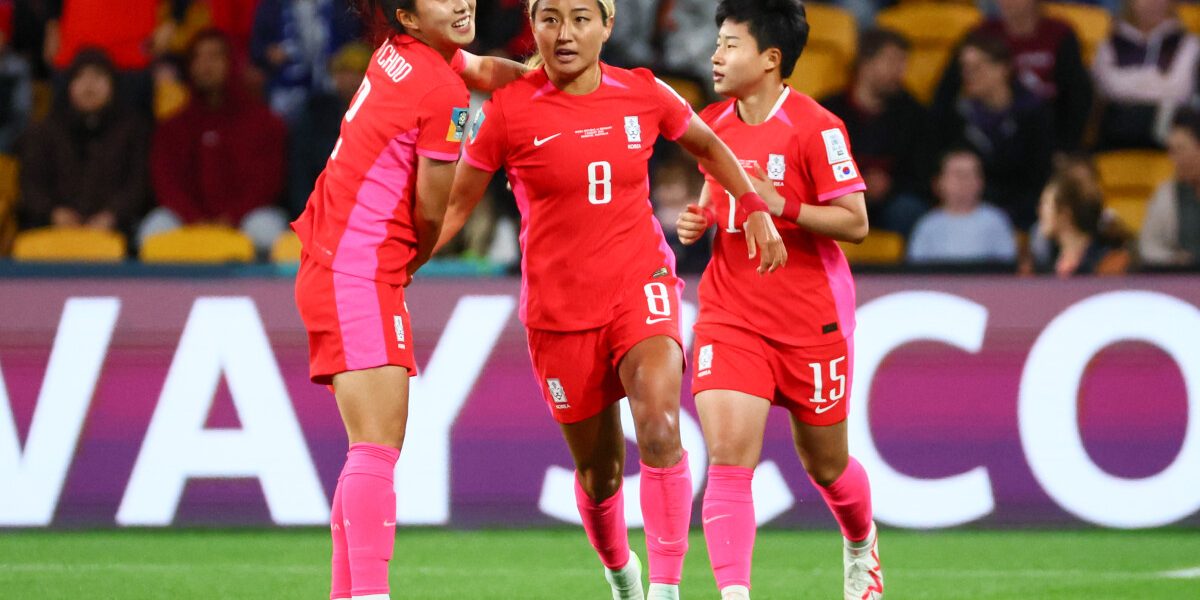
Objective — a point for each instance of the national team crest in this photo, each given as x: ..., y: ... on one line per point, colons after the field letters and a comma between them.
x: 633, y: 130
x: 398, y: 325
x: 704, y: 361
x: 776, y: 167
x: 557, y: 393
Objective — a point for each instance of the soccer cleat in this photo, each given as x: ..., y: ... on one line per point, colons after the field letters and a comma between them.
x: 662, y: 591
x: 864, y: 574
x: 626, y: 582
x: 735, y: 592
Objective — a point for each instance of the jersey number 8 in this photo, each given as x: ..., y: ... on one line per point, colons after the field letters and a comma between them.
x: 600, y: 182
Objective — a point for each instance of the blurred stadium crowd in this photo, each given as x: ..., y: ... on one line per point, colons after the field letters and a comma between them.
x: 1012, y: 135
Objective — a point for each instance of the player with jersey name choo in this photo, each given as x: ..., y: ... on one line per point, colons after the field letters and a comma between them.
x: 786, y: 340
x: 600, y: 296
x: 371, y: 221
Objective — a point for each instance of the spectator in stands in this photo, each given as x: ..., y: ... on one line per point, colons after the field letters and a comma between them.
x: 1171, y: 232
x: 677, y: 183
x: 507, y: 32
x: 886, y: 127
x: 16, y: 85
x: 85, y: 165
x: 689, y: 31
x: 1145, y: 70
x: 1047, y: 61
x: 318, y: 127
x: 292, y: 43
x: 220, y: 160
x: 964, y: 228
x: 1070, y: 216
x: 131, y: 36
x: 1008, y: 126
x: 633, y: 35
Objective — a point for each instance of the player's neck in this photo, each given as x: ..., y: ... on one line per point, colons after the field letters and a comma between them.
x: 578, y: 84
x: 754, y: 107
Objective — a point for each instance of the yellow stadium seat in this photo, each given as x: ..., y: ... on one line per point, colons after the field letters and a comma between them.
x: 170, y: 97
x: 286, y: 249
x: 880, y: 248
x: 688, y: 89
x: 924, y: 72
x: 1091, y: 24
x: 819, y: 73
x: 43, y: 100
x: 1132, y: 173
x: 930, y: 24
x: 9, y: 185
x: 1189, y: 15
x: 69, y: 244
x: 834, y: 29
x: 198, y: 244
x: 1130, y: 209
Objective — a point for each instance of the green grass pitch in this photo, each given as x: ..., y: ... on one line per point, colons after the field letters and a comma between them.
x: 558, y: 564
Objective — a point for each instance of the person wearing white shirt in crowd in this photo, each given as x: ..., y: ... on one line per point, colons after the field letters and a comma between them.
x: 963, y: 228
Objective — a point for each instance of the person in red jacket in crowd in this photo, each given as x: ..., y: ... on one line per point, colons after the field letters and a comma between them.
x: 221, y: 159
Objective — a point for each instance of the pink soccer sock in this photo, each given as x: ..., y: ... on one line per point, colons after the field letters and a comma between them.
x: 339, y: 581
x: 729, y: 526
x: 369, y: 510
x: 604, y: 523
x: 667, y: 510
x: 850, y: 500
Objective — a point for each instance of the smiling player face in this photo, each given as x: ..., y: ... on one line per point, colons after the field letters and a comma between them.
x: 738, y: 64
x: 569, y: 35
x: 446, y: 25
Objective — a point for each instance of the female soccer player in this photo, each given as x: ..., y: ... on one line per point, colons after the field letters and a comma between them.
x: 786, y: 340
x: 600, y: 298
x: 371, y: 221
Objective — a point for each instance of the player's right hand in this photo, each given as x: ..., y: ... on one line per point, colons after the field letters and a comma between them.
x: 691, y: 224
x: 762, y: 238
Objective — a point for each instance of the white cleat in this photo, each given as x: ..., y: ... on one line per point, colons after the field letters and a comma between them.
x: 626, y: 582
x: 735, y: 592
x: 864, y: 574
x: 662, y: 591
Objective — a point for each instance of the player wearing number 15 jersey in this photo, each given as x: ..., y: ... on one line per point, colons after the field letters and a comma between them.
x: 788, y: 339
x: 371, y: 221
x: 600, y: 298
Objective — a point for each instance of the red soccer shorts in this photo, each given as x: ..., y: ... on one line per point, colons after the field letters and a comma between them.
x: 353, y: 323
x: 812, y: 382
x: 578, y: 370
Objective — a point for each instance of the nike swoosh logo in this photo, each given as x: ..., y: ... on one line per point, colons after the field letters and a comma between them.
x: 825, y: 407
x: 389, y: 523
x: 539, y: 142
x: 716, y: 518
x: 650, y: 321
x: 670, y: 543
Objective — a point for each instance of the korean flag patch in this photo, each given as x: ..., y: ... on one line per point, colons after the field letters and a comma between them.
x: 844, y: 171
x: 458, y: 124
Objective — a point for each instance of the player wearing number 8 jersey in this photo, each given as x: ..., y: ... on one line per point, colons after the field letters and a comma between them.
x: 600, y: 298
x: 370, y: 222
x: 785, y: 340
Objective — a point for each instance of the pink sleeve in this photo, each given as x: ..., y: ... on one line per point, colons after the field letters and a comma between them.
x: 487, y: 142
x: 441, y: 122
x: 677, y: 113
x: 831, y: 167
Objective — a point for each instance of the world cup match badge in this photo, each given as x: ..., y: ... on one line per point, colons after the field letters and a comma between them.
x: 458, y: 123
x: 557, y: 393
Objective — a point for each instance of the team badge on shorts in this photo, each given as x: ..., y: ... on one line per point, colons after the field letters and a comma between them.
x: 458, y: 124
x: 776, y: 167
x: 398, y: 323
x: 704, y: 362
x: 557, y: 393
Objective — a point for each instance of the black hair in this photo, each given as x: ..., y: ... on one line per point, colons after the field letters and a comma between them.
x: 875, y: 40
x: 993, y: 47
x: 373, y: 9
x: 953, y: 151
x: 779, y: 24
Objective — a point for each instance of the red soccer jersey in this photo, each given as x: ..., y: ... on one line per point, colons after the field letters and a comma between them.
x: 805, y: 152
x: 359, y: 218
x: 578, y: 168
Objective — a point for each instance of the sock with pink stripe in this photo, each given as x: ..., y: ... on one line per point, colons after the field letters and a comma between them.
x: 369, y: 512
x: 604, y: 523
x: 339, y: 581
x: 729, y: 526
x: 667, y: 510
x: 850, y: 500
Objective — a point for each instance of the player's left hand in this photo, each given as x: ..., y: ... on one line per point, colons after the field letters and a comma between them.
x: 691, y: 224
x: 762, y: 238
x: 766, y: 188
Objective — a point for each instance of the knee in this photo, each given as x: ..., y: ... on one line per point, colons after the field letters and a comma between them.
x: 824, y: 470
x: 600, y: 481
x: 658, y: 441
x: 732, y: 454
